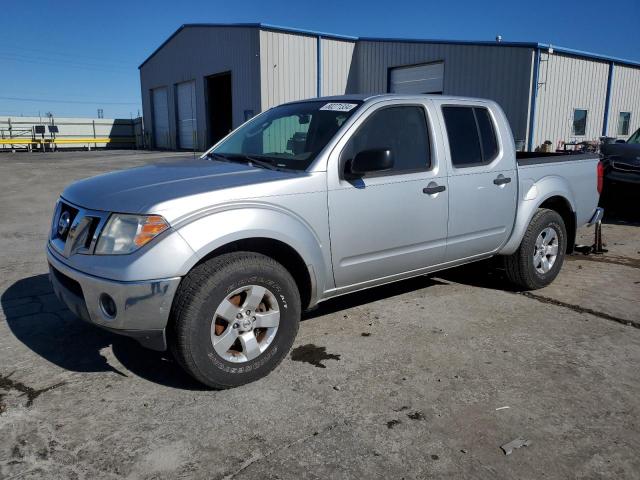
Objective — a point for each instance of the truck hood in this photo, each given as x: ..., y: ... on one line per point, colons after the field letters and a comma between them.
x: 157, y: 188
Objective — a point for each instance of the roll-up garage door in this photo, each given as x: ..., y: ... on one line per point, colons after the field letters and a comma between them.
x: 425, y: 78
x: 186, y: 93
x: 160, y: 117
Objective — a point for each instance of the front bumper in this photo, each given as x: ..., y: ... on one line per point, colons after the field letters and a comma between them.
x: 141, y: 308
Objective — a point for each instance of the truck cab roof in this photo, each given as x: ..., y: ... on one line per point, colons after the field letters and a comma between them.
x: 385, y: 96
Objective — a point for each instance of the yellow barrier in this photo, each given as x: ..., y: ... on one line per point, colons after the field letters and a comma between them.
x: 15, y: 141
x: 60, y: 141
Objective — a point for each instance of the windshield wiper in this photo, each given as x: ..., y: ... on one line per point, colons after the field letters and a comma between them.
x: 218, y: 156
x: 244, y: 158
x: 264, y: 163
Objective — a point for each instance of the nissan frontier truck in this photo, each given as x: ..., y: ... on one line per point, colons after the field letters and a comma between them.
x: 216, y: 258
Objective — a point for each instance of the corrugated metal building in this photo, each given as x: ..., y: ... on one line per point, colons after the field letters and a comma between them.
x: 209, y: 78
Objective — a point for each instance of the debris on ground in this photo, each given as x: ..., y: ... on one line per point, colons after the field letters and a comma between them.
x: 508, y: 448
x: 417, y: 415
x: 393, y: 423
x: 502, y: 408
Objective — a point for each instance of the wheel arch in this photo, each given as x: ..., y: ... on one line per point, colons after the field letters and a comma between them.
x: 551, y: 192
x: 562, y: 207
x: 282, y: 253
x: 271, y: 232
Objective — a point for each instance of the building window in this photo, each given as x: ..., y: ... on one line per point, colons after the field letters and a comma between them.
x: 623, y: 123
x: 579, y: 122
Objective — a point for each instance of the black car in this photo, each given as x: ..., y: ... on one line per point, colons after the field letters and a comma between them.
x: 622, y: 162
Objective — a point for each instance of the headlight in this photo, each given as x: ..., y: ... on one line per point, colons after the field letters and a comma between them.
x: 126, y: 233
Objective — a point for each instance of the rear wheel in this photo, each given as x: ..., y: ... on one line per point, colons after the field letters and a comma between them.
x: 539, y: 258
x: 235, y: 318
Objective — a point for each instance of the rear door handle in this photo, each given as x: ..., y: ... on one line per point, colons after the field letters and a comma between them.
x: 433, y: 188
x: 501, y: 180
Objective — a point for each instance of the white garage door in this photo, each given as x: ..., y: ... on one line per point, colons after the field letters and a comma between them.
x: 426, y: 78
x: 160, y: 117
x: 186, y: 93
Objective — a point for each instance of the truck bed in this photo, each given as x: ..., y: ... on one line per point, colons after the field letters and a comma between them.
x: 534, y: 158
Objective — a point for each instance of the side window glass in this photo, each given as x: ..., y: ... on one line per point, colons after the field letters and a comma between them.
x: 403, y: 130
x: 487, y: 134
x: 464, y: 142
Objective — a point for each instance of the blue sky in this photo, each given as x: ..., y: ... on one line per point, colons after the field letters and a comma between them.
x: 72, y: 57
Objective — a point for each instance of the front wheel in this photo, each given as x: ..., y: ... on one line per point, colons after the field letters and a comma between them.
x: 539, y: 258
x: 234, y: 319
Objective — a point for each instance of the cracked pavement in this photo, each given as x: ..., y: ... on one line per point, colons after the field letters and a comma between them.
x: 408, y: 380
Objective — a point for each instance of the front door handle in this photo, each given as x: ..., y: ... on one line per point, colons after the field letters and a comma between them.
x: 433, y: 188
x: 502, y: 180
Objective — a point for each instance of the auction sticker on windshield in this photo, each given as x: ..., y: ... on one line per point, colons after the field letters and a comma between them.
x: 339, y: 107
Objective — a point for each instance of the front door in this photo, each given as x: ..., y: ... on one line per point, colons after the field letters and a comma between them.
x: 395, y: 221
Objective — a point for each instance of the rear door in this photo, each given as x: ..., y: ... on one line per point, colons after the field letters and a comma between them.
x: 160, y: 105
x: 388, y: 223
x: 482, y: 179
x: 186, y: 111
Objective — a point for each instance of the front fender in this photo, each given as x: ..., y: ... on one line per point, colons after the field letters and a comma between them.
x: 531, y: 196
x: 231, y: 223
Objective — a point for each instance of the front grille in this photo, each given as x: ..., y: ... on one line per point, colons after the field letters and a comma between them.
x: 72, y: 213
x: 626, y: 166
x: 75, y: 230
x: 94, y: 222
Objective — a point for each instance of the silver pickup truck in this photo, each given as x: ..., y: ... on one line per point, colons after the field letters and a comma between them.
x: 216, y: 258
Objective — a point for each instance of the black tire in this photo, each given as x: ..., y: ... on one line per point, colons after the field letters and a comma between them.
x: 519, y: 266
x: 197, y: 299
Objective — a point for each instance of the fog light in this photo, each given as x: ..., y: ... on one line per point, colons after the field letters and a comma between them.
x: 108, y: 306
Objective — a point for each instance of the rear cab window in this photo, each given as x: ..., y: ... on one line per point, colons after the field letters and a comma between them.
x: 472, y: 135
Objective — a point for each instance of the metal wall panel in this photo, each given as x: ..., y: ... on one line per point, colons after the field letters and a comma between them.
x: 187, y: 122
x: 195, y: 53
x: 160, y: 108
x: 337, y: 64
x: 625, y: 97
x: 500, y: 73
x: 287, y: 67
x: 567, y: 83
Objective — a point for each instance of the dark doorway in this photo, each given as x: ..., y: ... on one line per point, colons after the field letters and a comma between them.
x: 219, y: 106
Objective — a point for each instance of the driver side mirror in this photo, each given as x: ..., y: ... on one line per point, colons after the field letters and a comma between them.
x: 369, y: 161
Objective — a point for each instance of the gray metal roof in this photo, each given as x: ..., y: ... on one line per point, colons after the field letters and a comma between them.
x: 278, y: 28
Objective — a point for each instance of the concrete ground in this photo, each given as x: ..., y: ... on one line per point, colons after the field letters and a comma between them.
x: 423, y: 378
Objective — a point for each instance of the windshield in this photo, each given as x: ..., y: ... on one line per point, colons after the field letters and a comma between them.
x: 289, y: 136
x: 635, y: 138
